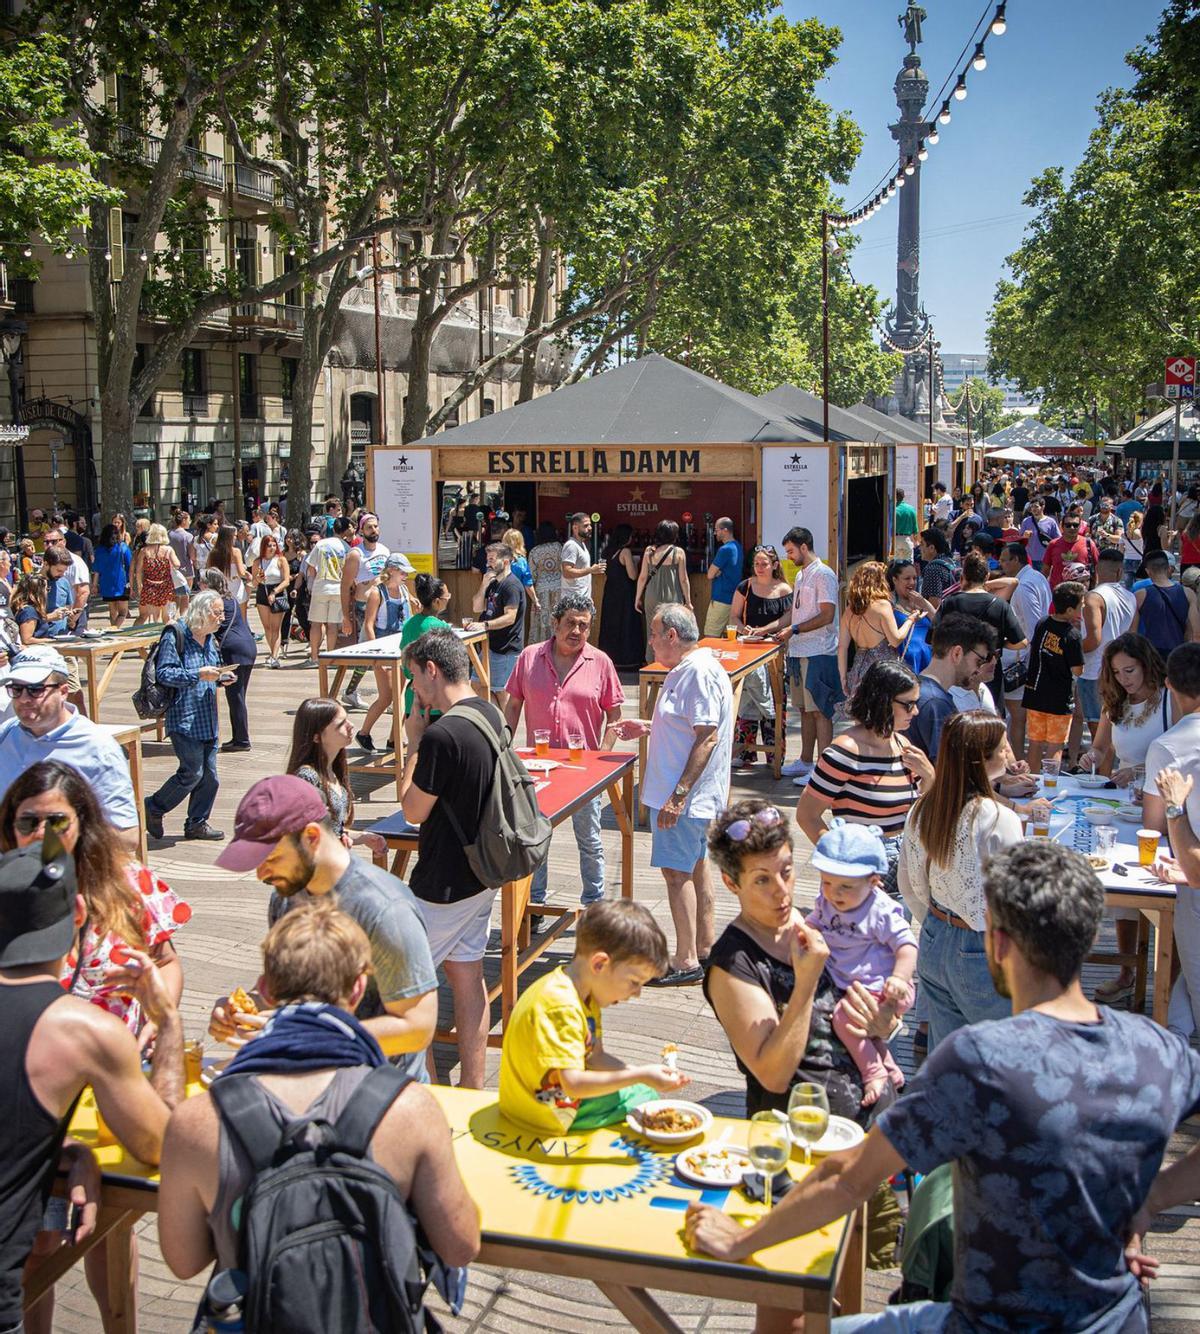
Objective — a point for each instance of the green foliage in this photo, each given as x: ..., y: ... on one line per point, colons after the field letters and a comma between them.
x: 46, y: 184
x: 1102, y: 289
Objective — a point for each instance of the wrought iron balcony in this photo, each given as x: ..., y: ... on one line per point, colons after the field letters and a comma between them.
x: 253, y: 183
x: 274, y: 315
x: 206, y: 168
x: 285, y: 406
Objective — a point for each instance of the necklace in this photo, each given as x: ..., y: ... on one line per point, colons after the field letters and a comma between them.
x: 1141, y: 714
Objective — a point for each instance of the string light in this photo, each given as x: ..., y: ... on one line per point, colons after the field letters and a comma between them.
x: 933, y: 136
x: 922, y: 152
x: 999, y: 24
x: 909, y: 167
x: 960, y: 88
x: 979, y: 60
x: 28, y: 252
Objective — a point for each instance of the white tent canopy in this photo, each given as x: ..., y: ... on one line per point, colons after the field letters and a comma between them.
x: 1031, y: 434
x: 1015, y: 454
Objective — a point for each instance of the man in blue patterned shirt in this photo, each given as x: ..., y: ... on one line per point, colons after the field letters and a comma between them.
x: 189, y: 660
x: 1055, y: 1120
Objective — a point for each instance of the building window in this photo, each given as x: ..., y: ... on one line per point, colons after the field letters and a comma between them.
x: 288, y: 368
x: 20, y: 291
x: 489, y: 406
x: 362, y: 423
x: 245, y: 248
x: 248, y: 384
x: 195, y: 382
x: 129, y: 222
x: 131, y: 101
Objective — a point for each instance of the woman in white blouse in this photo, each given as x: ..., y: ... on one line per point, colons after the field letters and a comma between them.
x: 951, y: 831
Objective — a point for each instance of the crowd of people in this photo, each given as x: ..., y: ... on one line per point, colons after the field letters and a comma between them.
x: 1020, y: 623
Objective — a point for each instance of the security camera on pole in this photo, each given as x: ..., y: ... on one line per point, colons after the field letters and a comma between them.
x: 1179, y: 384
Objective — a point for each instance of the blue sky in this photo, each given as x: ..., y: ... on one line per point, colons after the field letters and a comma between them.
x: 1033, y: 107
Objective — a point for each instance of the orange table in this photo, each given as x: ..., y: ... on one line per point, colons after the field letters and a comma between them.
x: 561, y: 793
x: 739, y: 660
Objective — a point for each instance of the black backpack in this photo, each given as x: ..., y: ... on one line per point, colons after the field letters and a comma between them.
x: 325, y: 1240
x: 152, y: 699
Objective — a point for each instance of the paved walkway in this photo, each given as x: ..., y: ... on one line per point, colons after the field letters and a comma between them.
x: 219, y: 948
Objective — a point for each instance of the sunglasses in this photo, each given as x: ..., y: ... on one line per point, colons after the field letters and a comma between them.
x: 18, y: 688
x: 739, y: 830
x: 58, y: 822
x: 912, y: 705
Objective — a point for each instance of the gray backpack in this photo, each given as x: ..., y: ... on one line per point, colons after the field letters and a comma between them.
x: 513, y: 838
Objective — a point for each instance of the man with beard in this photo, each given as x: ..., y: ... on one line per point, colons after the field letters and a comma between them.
x: 1056, y: 1121
x: 283, y: 832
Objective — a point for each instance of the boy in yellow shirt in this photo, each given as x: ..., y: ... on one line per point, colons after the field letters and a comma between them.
x: 554, y: 1072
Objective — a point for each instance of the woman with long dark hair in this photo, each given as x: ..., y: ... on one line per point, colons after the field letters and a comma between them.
x: 663, y: 577
x: 227, y: 558
x: 271, y: 576
x: 953, y: 828
x: 761, y: 605
x: 621, y: 635
x: 320, y: 735
x: 907, y: 602
x: 871, y: 774
x: 110, y: 577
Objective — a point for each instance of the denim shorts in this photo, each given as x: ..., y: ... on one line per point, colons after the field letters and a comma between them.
x: 1089, y: 699
x: 680, y: 847
x: 823, y: 683
x: 500, y: 668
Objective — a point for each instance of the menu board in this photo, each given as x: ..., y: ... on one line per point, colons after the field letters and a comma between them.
x: 908, y: 473
x: 402, y: 496
x: 945, y: 468
x: 795, y: 491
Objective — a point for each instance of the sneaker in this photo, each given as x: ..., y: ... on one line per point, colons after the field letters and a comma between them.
x: 351, y: 700
x: 272, y: 662
x: 364, y: 741
x: 795, y: 768
x: 154, y: 822
x: 535, y: 920
x: 1116, y: 994
x: 678, y: 977
x: 801, y: 780
x: 233, y: 746
x: 204, y: 831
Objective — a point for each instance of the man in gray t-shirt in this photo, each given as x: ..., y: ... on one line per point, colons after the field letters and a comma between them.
x: 576, y: 559
x: 283, y: 832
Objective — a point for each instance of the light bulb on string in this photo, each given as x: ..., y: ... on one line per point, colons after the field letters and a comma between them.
x: 143, y: 256
x: 999, y: 23
x: 901, y: 181
x: 979, y: 60
x: 70, y: 252
x: 909, y: 167
x: 28, y: 252
x: 922, y: 152
x: 933, y: 136
x: 944, y: 113
x: 108, y: 256
x: 960, y: 88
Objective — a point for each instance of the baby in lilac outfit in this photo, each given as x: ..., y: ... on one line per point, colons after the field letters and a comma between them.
x: 869, y: 942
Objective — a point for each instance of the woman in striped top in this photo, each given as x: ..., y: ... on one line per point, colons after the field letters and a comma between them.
x: 871, y: 774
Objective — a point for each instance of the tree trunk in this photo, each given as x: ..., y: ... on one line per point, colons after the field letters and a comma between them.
x: 304, y: 393
x: 537, y: 309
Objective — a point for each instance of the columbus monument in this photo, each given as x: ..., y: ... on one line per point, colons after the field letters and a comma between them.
x: 907, y: 323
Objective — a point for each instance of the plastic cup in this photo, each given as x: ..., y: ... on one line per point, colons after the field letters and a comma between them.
x: 731, y: 633
x: 575, y: 748
x: 1106, y: 839
x: 1147, y: 846
x: 1050, y: 772
x: 541, y: 744
x: 1041, y: 827
x: 193, y: 1060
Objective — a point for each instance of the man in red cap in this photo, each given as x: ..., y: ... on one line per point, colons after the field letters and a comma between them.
x: 283, y: 833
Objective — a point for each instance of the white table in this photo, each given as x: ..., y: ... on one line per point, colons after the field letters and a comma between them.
x: 1137, y: 888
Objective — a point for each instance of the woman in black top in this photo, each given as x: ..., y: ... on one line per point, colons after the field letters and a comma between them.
x: 238, y: 652
x: 621, y: 634
x: 973, y: 599
x: 761, y: 604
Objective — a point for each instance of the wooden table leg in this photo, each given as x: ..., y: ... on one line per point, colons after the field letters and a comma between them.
x: 398, y: 723
x: 1141, y: 968
x: 622, y: 804
x: 778, y: 691
x: 122, y: 1299
x: 514, y: 899
x: 639, y: 1308
x: 92, y: 689
x: 850, y: 1289
x: 1164, y: 957
x: 133, y: 749
x: 323, y: 678
x: 109, y: 1221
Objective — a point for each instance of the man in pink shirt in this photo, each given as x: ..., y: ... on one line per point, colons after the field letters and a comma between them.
x: 568, y: 688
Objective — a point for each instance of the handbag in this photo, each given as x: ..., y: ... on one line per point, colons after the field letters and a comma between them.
x: 1014, y: 675
x: 279, y: 604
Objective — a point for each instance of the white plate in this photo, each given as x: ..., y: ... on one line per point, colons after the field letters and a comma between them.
x: 841, y: 1133
x: 727, y: 1164
x: 634, y: 1121
x: 541, y: 766
x: 91, y: 634
x: 1130, y: 813
x: 1091, y: 780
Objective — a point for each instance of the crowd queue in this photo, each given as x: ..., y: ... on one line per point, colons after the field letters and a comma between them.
x: 1037, y: 619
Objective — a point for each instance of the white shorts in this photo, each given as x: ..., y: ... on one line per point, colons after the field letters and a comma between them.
x: 458, y: 932
x: 325, y: 609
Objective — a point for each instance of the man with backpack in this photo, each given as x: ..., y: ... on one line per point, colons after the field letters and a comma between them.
x: 1166, y: 613
x: 328, y: 1158
x: 449, y: 770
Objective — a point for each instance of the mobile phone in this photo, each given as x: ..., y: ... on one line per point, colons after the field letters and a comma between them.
x: 74, y: 1221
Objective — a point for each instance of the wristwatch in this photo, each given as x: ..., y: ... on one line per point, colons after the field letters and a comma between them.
x: 1174, y: 812
x: 681, y: 791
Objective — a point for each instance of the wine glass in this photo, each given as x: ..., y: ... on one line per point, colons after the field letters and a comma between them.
x: 768, y: 1147
x: 808, y: 1116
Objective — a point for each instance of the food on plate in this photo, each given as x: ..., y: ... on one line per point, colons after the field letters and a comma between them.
x: 1097, y: 861
x: 668, y: 1120
x: 670, y: 1055
x: 241, y: 1002
x: 715, y: 1163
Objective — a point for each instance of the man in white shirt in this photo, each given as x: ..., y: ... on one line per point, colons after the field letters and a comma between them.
x: 686, y: 780
x: 327, y: 560
x: 1108, y: 611
x: 943, y: 506
x: 1179, y: 748
x: 363, y: 567
x: 812, y: 640
x: 1028, y: 593
x: 577, y: 564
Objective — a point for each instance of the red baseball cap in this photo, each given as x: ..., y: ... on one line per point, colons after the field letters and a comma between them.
x: 273, y: 808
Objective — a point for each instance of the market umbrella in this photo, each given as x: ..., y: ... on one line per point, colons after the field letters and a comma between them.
x: 1015, y: 454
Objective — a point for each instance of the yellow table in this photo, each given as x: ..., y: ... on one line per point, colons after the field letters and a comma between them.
x: 740, y: 661
x: 603, y: 1206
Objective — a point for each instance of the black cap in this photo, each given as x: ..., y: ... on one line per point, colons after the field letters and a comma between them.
x: 37, y: 903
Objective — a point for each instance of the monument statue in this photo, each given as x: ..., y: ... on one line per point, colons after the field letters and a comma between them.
x: 911, y: 21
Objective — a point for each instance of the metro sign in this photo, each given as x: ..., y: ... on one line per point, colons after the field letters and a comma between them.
x: 1180, y: 378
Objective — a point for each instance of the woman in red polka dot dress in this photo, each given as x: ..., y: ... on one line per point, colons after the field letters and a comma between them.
x: 127, y: 904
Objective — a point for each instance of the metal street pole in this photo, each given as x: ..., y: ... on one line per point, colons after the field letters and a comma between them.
x: 825, y: 320
x: 931, y: 390
x: 378, y: 342
x: 1175, y: 462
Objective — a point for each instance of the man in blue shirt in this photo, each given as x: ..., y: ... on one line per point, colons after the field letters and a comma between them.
x: 1127, y: 507
x: 46, y: 727
x: 1055, y: 1120
x: 724, y: 575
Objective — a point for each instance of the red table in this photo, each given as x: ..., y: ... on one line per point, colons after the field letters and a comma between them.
x: 561, y: 793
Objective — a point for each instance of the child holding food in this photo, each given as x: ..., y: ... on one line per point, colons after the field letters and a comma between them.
x: 554, y: 1072
x: 869, y: 942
